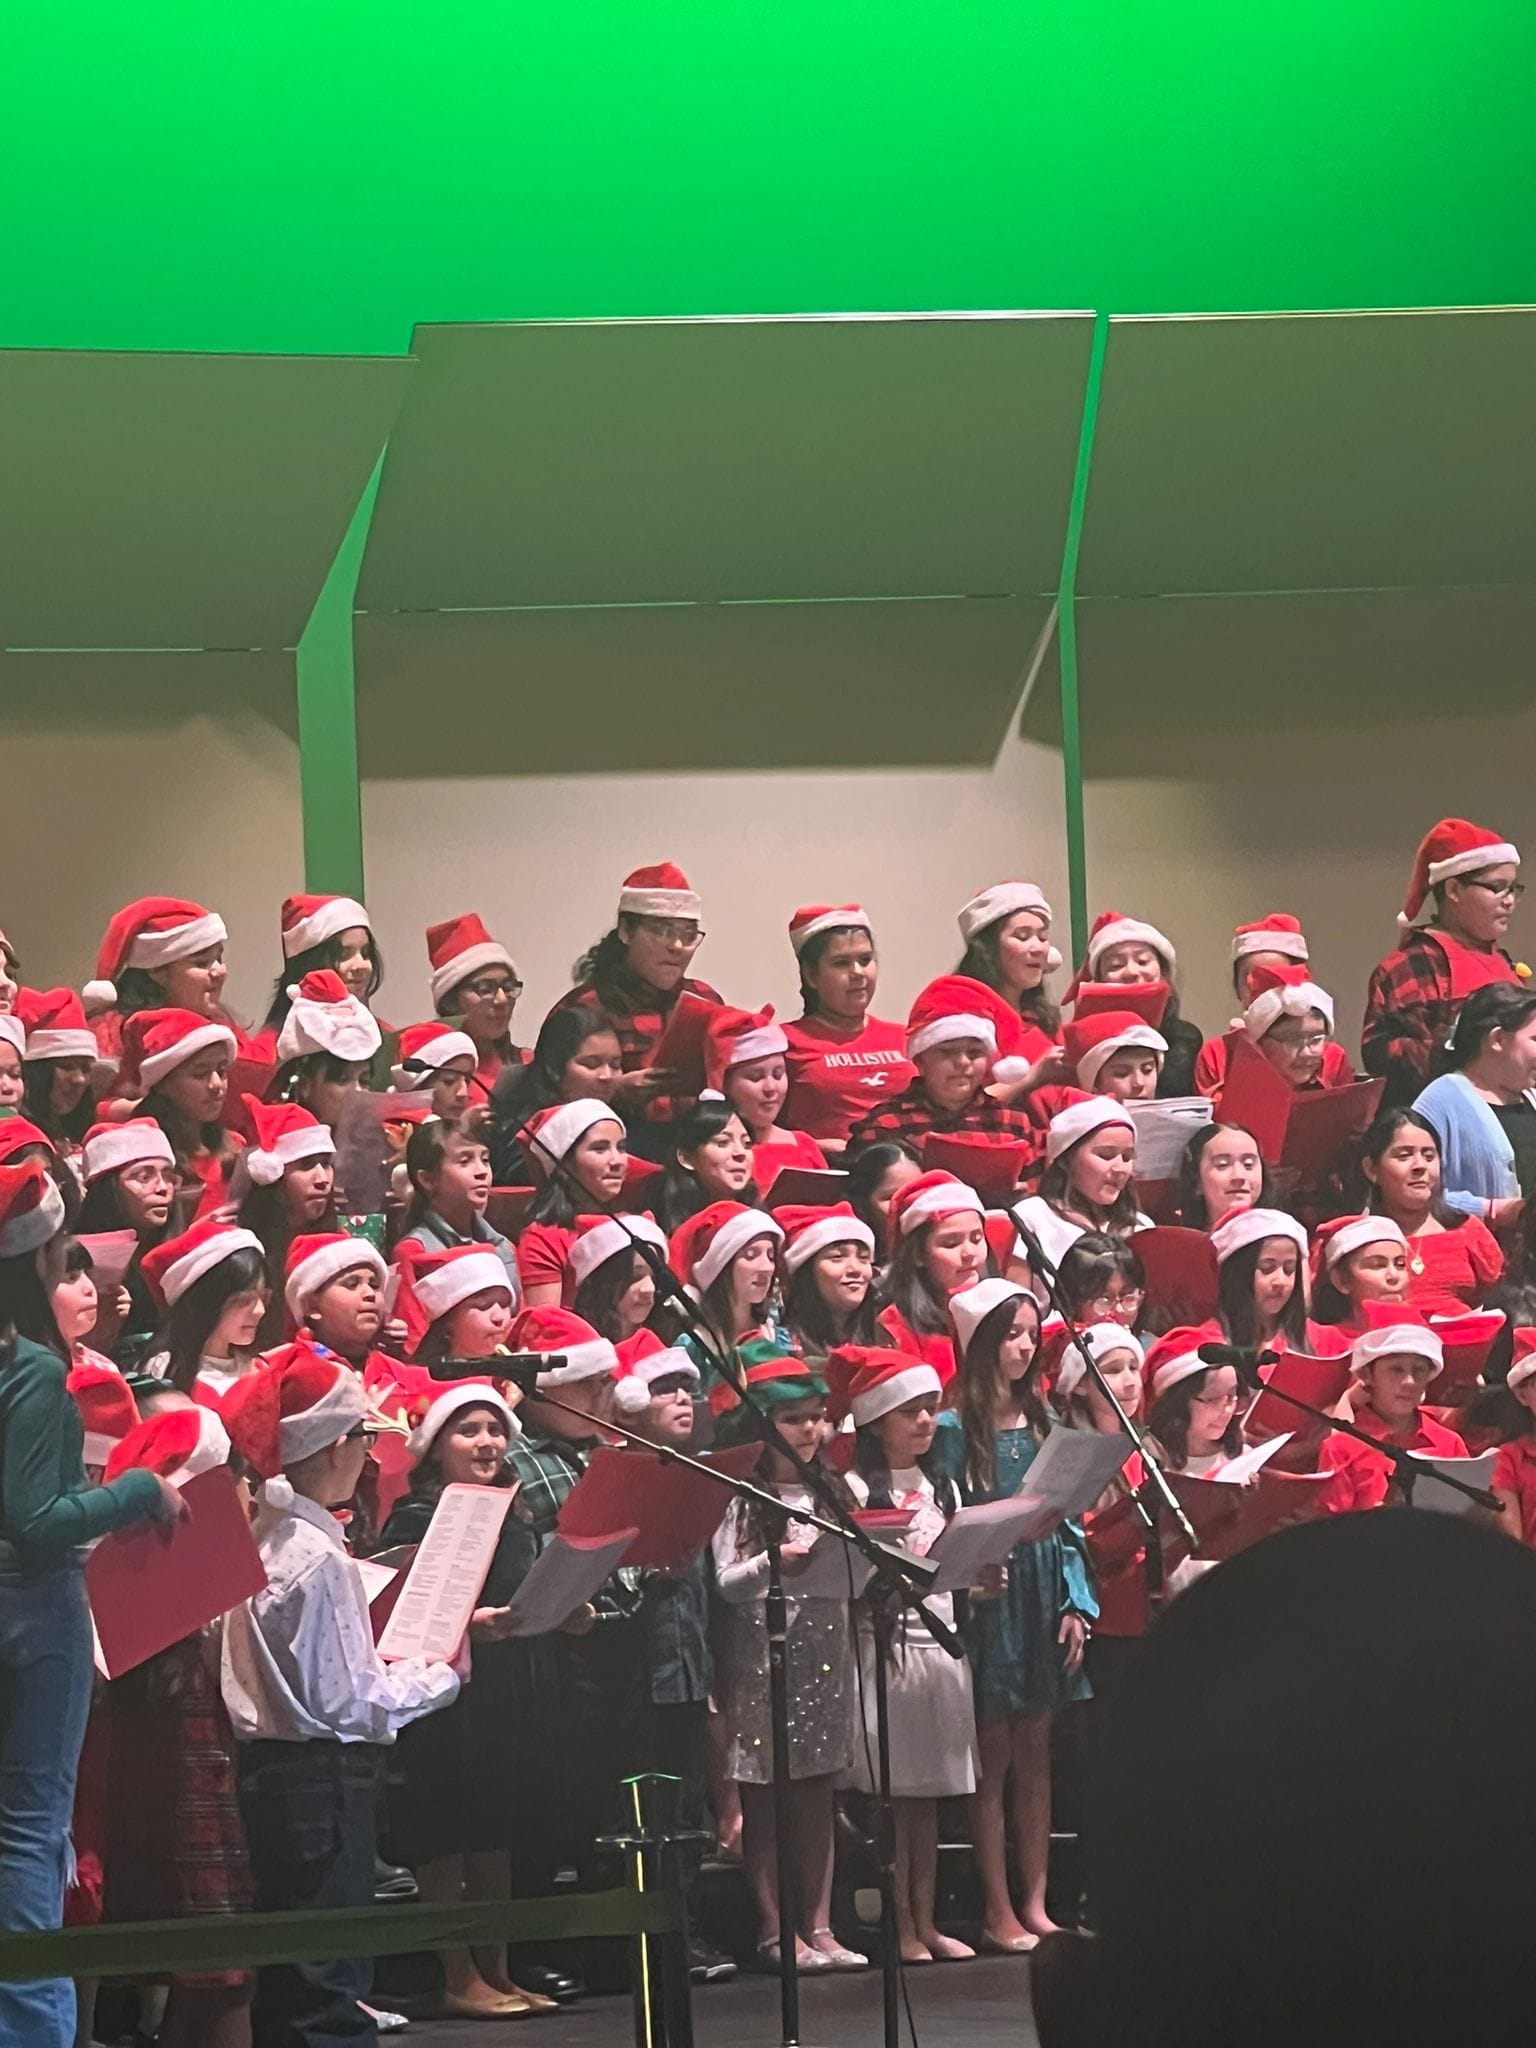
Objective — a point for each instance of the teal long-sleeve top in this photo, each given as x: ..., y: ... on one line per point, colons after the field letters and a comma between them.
x: 47, y: 1509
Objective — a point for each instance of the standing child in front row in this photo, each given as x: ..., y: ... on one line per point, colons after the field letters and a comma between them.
x: 1027, y: 1642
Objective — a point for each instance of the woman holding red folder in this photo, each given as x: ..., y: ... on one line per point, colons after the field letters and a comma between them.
x: 1453, y: 1258
x: 1394, y: 1358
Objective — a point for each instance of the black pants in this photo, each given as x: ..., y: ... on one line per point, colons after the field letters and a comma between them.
x: 601, y: 1677
x: 310, y: 1812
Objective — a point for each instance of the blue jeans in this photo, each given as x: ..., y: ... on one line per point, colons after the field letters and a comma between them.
x: 45, y: 1695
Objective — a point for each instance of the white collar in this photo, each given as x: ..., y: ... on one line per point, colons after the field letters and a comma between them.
x: 305, y: 1510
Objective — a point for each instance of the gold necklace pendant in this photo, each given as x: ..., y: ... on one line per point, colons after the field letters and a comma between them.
x: 1416, y: 1263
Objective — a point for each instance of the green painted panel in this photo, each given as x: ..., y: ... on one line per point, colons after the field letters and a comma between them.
x: 619, y: 462
x: 1335, y: 452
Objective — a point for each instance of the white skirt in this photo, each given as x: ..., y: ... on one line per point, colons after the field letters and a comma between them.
x: 933, y: 1720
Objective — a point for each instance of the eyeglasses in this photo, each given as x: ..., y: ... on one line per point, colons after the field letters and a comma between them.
x: 673, y: 930
x: 1513, y: 890
x: 365, y: 1434
x: 1106, y: 1304
x: 1311, y: 1041
x: 488, y: 991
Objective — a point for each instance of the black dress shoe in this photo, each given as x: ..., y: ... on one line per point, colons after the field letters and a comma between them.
x: 708, y: 1964
x: 549, y: 1982
x: 392, y: 1882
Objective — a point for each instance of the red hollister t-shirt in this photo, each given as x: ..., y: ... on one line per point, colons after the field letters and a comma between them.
x: 834, y: 1079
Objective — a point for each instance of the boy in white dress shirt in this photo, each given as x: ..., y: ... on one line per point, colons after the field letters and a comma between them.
x: 312, y: 1705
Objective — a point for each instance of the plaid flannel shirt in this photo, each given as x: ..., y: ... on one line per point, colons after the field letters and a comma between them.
x: 910, y: 1116
x: 546, y: 1468
x: 639, y: 1031
x: 1409, y: 1011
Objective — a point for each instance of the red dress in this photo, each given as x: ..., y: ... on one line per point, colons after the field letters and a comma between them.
x: 1450, y: 1271
x: 1360, y: 1475
x: 835, y: 1076
x: 939, y: 1352
x: 1514, y: 1471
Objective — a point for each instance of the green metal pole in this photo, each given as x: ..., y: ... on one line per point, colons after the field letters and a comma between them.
x: 1066, y: 629
x: 329, y: 786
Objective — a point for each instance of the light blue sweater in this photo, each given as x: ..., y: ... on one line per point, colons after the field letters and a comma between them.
x: 1477, y: 1161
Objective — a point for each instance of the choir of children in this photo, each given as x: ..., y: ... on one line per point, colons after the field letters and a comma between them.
x: 912, y: 1327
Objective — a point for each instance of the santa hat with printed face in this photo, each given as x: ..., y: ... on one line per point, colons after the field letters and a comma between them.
x: 659, y: 891
x: 459, y: 948
x: 1242, y: 1227
x: 705, y: 1245
x: 1453, y: 847
x: 1278, y: 992
x: 586, y: 1355
x: 1089, y: 1042
x: 1522, y: 1364
x: 643, y: 1362
x: 1005, y: 899
x: 733, y: 1037
x: 553, y: 1132
x: 54, y: 1022
x: 1080, y: 1120
x: 171, y: 1268
x: 285, y: 1133
x: 178, y: 1444
x: 454, y: 1400
x: 1114, y: 928
x: 301, y: 1402
x: 31, y: 1207
x: 601, y: 1238
x: 152, y: 932
x: 929, y: 1199
x: 969, y: 1309
x: 107, y: 1409
x: 1277, y: 933
x: 157, y: 1042
x: 111, y: 1147
x: 867, y: 1381
x: 434, y: 1045
x: 325, y: 1018
x: 308, y: 921
x: 1336, y: 1239
x: 323, y: 1256
x: 12, y: 1029
x: 1100, y: 1341
x: 1176, y: 1356
x: 808, y: 1231
x: 811, y: 919
x: 1392, y: 1329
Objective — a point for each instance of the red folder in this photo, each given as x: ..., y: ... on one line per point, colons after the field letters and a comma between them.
x: 1147, y: 999
x: 149, y: 1587
x: 1320, y: 1382
x: 994, y: 1167
x: 640, y: 1178
x: 810, y: 1186
x: 1228, y: 1519
x: 887, y: 1523
x: 1306, y: 1130
x: 247, y: 1076
x: 1116, y: 1536
x: 1467, y: 1341
x: 1181, y: 1270
x: 680, y: 1049
x: 674, y: 1511
x: 506, y: 1209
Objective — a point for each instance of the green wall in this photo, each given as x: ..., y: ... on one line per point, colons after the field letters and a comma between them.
x: 318, y: 174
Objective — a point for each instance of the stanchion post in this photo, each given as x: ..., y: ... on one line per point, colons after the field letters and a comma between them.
x: 652, y: 1850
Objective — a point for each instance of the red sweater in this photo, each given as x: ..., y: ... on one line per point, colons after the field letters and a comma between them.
x: 1361, y: 1476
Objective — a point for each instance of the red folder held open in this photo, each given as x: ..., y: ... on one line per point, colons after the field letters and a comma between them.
x: 1228, y: 1519
x: 680, y: 1049
x: 1466, y: 1340
x: 994, y: 1167
x: 1320, y: 1382
x: 1306, y: 1130
x: 149, y: 1587
x: 816, y: 1187
x: 1181, y: 1271
x: 1146, y: 999
x: 673, y: 1511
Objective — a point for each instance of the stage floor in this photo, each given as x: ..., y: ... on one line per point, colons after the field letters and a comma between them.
x: 984, y: 2004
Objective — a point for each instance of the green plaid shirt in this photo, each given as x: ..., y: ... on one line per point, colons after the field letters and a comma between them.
x: 546, y: 1468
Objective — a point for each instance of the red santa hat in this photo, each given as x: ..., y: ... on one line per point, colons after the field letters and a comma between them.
x: 1278, y: 992
x: 1176, y: 1356
x: 54, y: 1022
x: 17, y: 1133
x: 586, y: 1355
x: 969, y: 1309
x: 809, y: 1230
x: 434, y: 1046
x: 550, y: 1134
x: 284, y: 1133
x: 1522, y: 1363
x: 867, y: 1381
x: 151, y: 932
x: 455, y: 1400
x: 1453, y: 847
x: 1391, y: 1329
x: 12, y: 1029
x: 178, y: 1443
x: 1279, y: 932
x: 1100, y: 1341
x: 705, y: 1245
x: 107, y: 1409
x: 732, y: 1037
x: 1080, y: 1120
x: 1341, y: 1235
x: 1005, y: 899
x: 930, y: 1198
x: 811, y: 919
x: 1089, y: 1041
x: 458, y: 948
x: 1114, y: 928
x: 137, y: 1142
x: 946, y: 1011
x: 31, y: 1207
x: 317, y: 1259
x: 171, y: 1268
x: 308, y: 921
x: 302, y: 1401
x: 643, y: 1361
x: 601, y: 1238
x: 1241, y: 1227
x: 659, y: 891
x: 440, y: 1281
x: 324, y: 1017
x: 157, y: 1042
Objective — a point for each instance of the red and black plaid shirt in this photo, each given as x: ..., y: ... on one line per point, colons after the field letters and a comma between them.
x: 910, y: 1116
x: 1409, y: 1011
x: 639, y: 1030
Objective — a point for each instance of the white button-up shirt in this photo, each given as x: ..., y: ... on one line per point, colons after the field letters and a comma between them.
x: 299, y: 1662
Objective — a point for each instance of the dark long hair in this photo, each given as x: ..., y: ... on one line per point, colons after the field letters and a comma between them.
x: 522, y: 1091
x: 873, y: 1467
x: 810, y: 957
x: 809, y: 1320
x: 1374, y: 1145
x: 264, y: 1211
x: 973, y: 1391
x: 606, y: 964
x: 678, y: 1194
x: 869, y: 1168
x: 1055, y: 1190
x: 26, y: 1309
x: 326, y: 954
x: 186, y: 1137
x: 1090, y: 1263
x: 1235, y: 1304
x: 908, y: 1288
x: 137, y: 989
x: 1500, y: 1006
x: 1194, y: 1212
x: 36, y: 1091
x: 980, y: 962
x: 285, y: 1084
x: 598, y: 1297
x: 1169, y: 1419
x: 189, y: 1322
x: 557, y: 1201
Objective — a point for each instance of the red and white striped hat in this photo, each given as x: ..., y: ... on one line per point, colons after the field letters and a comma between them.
x: 326, y: 1017
x: 458, y: 948
x: 1100, y: 1341
x: 31, y: 1206
x: 1089, y: 1041
x: 1176, y: 1356
x: 434, y: 1045
x: 587, y: 1355
x: 814, y: 918
x: 1522, y: 1363
x: 1114, y: 928
x: 1279, y: 932
x: 930, y: 1197
x: 54, y: 1021
x: 551, y: 1133
x: 308, y: 921
x: 454, y: 1400
x: 601, y: 1238
x: 1392, y: 1329
x: 171, y: 1268
x: 440, y: 1281
x: 946, y: 1011
x: 285, y: 1133
x: 107, y: 1409
x: 1242, y: 1227
x: 1341, y: 1235
x: 111, y: 1147
x: 643, y: 1360
x: 1005, y: 899
x: 300, y: 1402
x: 659, y: 891
x: 151, y: 932
x: 157, y: 1042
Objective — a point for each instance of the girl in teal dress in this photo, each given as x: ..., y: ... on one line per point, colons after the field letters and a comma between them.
x: 1026, y: 1635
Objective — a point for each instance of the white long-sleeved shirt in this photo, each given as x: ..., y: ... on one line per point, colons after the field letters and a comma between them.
x: 299, y: 1662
